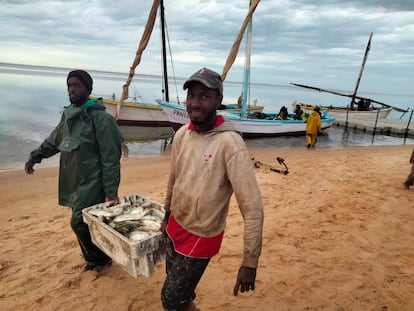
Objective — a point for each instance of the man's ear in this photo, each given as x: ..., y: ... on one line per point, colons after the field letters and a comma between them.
x: 219, y: 99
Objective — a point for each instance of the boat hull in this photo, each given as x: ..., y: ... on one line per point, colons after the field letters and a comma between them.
x: 248, y: 127
x: 340, y: 114
x: 138, y: 114
x: 141, y: 114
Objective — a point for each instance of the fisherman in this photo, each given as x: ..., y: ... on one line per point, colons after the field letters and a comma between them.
x: 313, y: 127
x: 283, y: 113
x: 298, y: 113
x: 89, y: 142
x: 209, y: 161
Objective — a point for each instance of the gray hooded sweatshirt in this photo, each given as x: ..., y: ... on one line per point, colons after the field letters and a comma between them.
x: 206, y: 169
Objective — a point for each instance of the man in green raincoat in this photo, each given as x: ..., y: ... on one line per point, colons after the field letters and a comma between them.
x: 89, y: 142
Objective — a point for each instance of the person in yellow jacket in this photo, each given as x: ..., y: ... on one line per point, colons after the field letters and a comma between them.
x: 313, y: 127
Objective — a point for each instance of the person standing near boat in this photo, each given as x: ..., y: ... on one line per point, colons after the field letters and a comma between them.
x: 89, y: 142
x: 410, y: 178
x: 313, y: 127
x: 209, y: 162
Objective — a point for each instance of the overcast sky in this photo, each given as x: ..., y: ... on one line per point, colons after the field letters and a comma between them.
x: 318, y: 43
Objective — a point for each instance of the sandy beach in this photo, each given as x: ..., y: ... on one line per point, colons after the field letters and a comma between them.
x: 338, y: 235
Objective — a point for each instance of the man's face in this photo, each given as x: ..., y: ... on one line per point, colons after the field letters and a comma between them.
x: 78, y: 93
x: 202, y: 103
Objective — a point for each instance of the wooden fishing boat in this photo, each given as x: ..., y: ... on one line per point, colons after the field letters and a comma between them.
x: 343, y: 113
x: 136, y: 114
x: 151, y: 115
x: 247, y: 123
x: 365, y: 108
x: 130, y: 113
x: 250, y: 126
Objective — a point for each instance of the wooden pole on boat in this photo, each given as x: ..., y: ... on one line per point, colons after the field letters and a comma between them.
x: 375, y: 126
x: 408, y: 125
x: 246, y: 79
x: 348, y: 95
x: 164, y: 52
x: 346, y: 119
x: 361, y: 70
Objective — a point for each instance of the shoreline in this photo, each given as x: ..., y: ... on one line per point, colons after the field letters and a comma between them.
x: 338, y: 235
x: 53, y: 162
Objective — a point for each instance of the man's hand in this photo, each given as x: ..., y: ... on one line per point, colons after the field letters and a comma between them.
x: 164, y: 225
x: 245, y: 280
x: 113, y: 201
x: 28, y: 167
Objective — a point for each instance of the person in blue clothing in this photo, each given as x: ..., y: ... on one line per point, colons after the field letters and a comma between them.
x: 89, y: 142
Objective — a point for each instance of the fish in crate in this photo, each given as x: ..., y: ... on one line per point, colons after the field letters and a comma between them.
x: 129, y: 232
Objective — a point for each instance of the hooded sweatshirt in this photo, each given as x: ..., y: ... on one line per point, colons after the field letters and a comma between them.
x: 206, y: 168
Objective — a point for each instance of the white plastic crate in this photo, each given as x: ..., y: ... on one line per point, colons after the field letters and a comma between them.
x: 136, y: 257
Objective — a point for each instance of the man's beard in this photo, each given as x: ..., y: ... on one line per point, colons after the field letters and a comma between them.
x: 206, y: 119
x: 78, y: 101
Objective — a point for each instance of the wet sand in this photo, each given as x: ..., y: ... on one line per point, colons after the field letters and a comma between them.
x: 338, y: 235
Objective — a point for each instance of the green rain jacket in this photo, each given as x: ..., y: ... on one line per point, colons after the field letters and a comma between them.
x: 89, y: 142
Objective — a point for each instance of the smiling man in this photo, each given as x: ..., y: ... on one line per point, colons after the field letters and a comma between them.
x: 209, y: 162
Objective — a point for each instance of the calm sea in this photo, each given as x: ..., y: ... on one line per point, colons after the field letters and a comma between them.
x: 33, y: 98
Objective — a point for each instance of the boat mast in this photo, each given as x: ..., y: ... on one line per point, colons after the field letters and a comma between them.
x: 164, y: 52
x: 141, y: 47
x: 361, y: 70
x: 236, y: 44
x: 246, y: 79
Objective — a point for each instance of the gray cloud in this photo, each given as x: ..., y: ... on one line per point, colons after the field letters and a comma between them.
x: 318, y: 43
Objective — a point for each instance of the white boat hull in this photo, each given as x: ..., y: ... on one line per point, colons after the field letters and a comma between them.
x: 178, y: 116
x: 341, y: 114
x: 138, y: 114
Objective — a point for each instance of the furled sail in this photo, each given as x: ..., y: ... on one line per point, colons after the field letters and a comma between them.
x: 141, y: 47
x: 236, y: 44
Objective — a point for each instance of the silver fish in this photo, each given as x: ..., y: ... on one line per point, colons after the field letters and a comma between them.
x: 113, y: 211
x: 138, y: 235
x: 146, y: 205
x: 130, y: 216
x: 157, y: 213
x: 149, y: 225
x: 152, y: 218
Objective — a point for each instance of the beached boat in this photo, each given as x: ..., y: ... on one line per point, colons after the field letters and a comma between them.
x: 248, y: 124
x: 249, y: 127
x: 137, y: 114
x: 365, y: 108
x: 130, y: 113
x: 343, y: 114
x: 151, y: 115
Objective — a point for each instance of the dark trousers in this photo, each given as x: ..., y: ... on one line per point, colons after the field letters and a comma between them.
x: 92, y: 254
x: 183, y: 275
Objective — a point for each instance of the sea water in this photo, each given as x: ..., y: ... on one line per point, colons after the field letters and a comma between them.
x: 33, y: 99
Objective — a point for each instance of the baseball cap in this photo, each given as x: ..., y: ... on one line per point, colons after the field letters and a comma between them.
x: 207, y: 77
